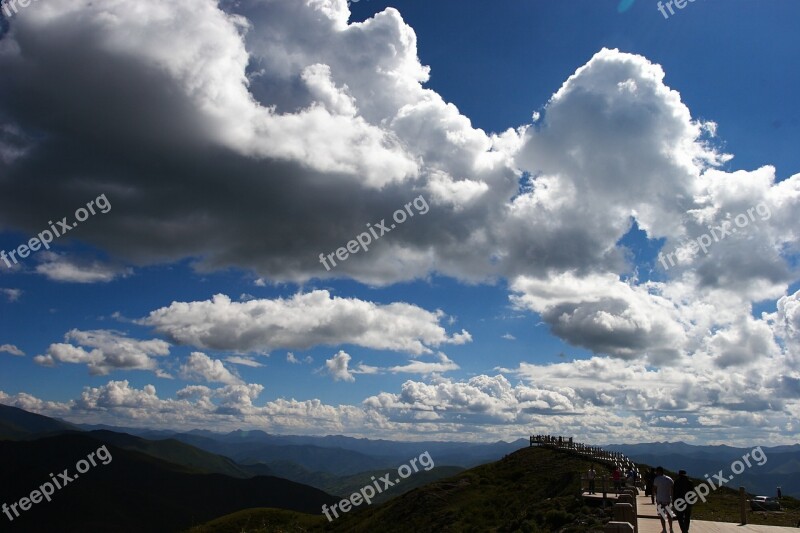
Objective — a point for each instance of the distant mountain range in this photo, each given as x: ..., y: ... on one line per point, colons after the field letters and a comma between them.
x: 782, y: 468
x: 313, y: 453
x: 180, y: 479
x: 168, y: 481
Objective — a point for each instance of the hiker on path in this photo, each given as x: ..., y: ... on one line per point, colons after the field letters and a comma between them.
x: 630, y: 479
x: 683, y: 486
x: 663, y: 486
x: 591, y: 475
x: 648, y: 485
x: 617, y: 476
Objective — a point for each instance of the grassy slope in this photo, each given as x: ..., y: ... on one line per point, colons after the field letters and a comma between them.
x: 346, y: 485
x: 17, y: 424
x: 723, y: 506
x: 531, y: 490
x: 350, y: 484
x: 134, y: 492
x: 174, y: 451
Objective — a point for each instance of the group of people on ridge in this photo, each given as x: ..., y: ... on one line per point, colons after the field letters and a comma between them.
x: 663, y: 491
x: 629, y: 479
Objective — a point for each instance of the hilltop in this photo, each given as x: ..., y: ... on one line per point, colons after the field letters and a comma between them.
x: 532, y: 490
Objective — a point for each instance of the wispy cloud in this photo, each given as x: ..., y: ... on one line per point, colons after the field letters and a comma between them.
x: 11, y: 294
x: 11, y: 349
x: 62, y: 269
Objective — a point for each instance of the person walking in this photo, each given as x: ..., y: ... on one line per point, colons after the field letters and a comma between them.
x: 683, y: 486
x: 663, y: 485
x: 591, y: 475
x: 648, y: 486
x: 617, y: 477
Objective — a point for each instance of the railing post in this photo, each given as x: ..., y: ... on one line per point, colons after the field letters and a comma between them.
x: 743, y: 506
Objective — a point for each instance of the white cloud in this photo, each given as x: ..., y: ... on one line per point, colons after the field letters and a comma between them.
x: 200, y: 367
x: 301, y: 322
x: 598, y: 400
x: 337, y: 367
x: 606, y: 315
x: 59, y: 268
x: 12, y: 294
x: 442, y: 365
x: 107, y: 351
x: 361, y: 368
x: 509, y: 337
x: 295, y: 361
x: 11, y: 349
x: 786, y: 325
x: 244, y: 361
x: 301, y: 128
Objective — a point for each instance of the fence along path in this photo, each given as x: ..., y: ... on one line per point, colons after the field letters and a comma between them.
x: 633, y: 511
x: 610, y: 459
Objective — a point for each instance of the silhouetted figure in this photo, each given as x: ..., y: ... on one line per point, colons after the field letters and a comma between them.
x: 683, y: 486
x: 648, y: 485
x: 591, y: 475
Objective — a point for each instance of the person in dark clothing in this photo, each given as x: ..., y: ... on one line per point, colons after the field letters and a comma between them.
x: 683, y: 486
x: 591, y: 475
x: 648, y: 485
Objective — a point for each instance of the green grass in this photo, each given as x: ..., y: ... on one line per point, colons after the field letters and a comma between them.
x: 262, y: 521
x: 346, y: 486
x: 534, y: 490
x: 722, y: 505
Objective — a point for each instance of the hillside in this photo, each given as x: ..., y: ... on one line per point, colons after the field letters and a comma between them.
x: 345, y: 485
x: 134, y: 492
x: 16, y: 424
x: 532, y: 490
x: 179, y: 453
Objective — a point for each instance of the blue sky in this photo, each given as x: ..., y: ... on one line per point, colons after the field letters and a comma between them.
x: 235, y: 142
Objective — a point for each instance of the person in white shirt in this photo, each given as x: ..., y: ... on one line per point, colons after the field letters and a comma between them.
x: 662, y: 485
